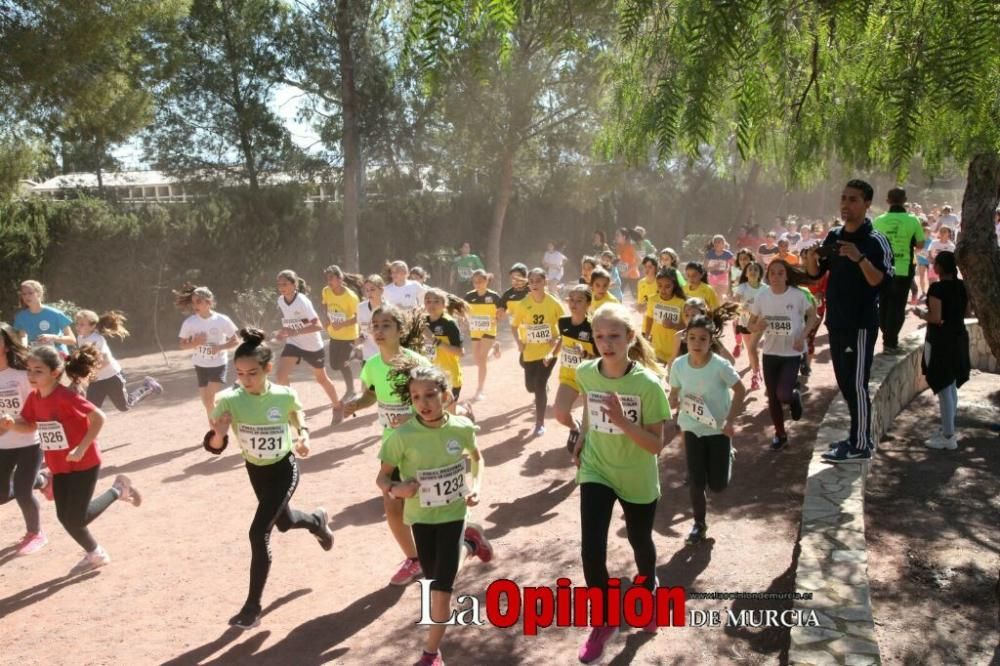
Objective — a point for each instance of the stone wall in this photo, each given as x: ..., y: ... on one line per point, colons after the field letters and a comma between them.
x: 833, y: 559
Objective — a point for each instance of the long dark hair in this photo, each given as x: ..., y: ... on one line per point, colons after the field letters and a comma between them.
x: 254, y: 346
x: 16, y: 353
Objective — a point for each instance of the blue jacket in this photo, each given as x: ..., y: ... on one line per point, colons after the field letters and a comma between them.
x: 851, y: 302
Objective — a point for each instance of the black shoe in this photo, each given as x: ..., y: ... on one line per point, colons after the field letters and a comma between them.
x: 796, y: 405
x: 247, y: 618
x: 805, y: 370
x: 834, y: 445
x: 572, y: 440
x: 891, y: 350
x: 778, y: 443
x: 325, y: 535
x: 697, y: 533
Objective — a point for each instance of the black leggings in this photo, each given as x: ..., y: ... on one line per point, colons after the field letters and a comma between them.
x: 274, y: 486
x: 596, y: 504
x: 536, y: 380
x: 439, y: 549
x: 74, y: 508
x: 19, y: 478
x: 781, y: 375
x: 710, y: 465
x: 112, y: 388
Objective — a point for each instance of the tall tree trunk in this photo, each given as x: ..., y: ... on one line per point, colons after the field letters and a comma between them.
x: 351, y: 138
x: 744, y: 211
x: 977, y: 252
x: 505, y: 191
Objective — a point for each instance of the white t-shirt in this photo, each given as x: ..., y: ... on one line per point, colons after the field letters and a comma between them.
x: 950, y: 220
x: 786, y: 319
x: 368, y: 346
x: 111, y: 365
x: 553, y: 262
x: 938, y: 246
x: 746, y: 295
x: 407, y: 297
x: 299, y: 314
x: 14, y: 390
x: 218, y: 327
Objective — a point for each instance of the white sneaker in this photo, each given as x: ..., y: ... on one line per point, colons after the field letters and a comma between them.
x: 939, y: 441
x: 91, y: 561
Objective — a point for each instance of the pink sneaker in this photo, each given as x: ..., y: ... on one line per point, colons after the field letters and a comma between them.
x: 126, y: 491
x: 430, y: 659
x: 408, y: 572
x: 474, y: 533
x: 31, y: 543
x: 593, y: 648
x: 755, y: 383
x: 46, y: 488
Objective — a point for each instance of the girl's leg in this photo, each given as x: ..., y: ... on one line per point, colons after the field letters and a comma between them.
x: 117, y: 393
x: 482, y: 353
x: 596, y: 504
x: 440, y: 548
x: 639, y: 526
x: 400, y: 532
x: 772, y: 374
x: 696, y: 454
x: 74, y: 508
x: 948, y: 400
x: 720, y: 461
x: 96, y: 392
x: 29, y: 462
x: 323, y: 379
x: 285, y: 366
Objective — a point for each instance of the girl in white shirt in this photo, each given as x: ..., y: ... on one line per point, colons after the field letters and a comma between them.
x: 373, y: 288
x: 301, y: 332
x: 210, y: 335
x: 553, y: 261
x: 109, y: 382
x: 404, y: 293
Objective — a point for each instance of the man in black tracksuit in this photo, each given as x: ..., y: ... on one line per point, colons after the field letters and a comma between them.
x: 859, y: 259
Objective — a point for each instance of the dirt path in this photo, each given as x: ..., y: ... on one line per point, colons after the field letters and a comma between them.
x: 181, y: 560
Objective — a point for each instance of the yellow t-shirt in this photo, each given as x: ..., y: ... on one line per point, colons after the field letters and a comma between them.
x: 608, y: 298
x: 577, y: 347
x: 664, y: 338
x: 447, y: 333
x: 646, y: 290
x: 705, y: 292
x: 482, y: 314
x: 538, y: 325
x: 339, y: 308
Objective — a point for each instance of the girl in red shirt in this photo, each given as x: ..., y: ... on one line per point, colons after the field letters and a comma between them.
x: 67, y: 427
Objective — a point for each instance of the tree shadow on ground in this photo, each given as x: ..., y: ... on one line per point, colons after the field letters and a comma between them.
x: 324, y: 457
x: 31, y: 595
x: 365, y: 512
x: 212, y: 464
x: 530, y: 510
x: 508, y: 449
x: 557, y: 458
x: 149, y: 461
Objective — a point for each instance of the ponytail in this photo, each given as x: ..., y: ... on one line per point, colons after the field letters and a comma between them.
x: 82, y: 363
x: 184, y: 296
x: 112, y: 324
x: 293, y: 277
x: 16, y: 353
x: 253, y: 346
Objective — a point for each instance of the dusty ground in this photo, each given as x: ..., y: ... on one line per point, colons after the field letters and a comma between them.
x: 933, y: 545
x: 180, y: 564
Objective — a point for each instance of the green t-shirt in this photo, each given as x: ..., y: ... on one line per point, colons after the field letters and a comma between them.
x: 464, y: 265
x: 612, y: 458
x: 904, y: 233
x: 437, y: 454
x: 704, y: 394
x: 260, y: 422
x: 375, y: 374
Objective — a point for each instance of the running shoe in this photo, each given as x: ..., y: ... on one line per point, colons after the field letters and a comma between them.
x: 91, y: 561
x: 834, y: 445
x: 474, y: 534
x: 755, y: 382
x: 46, y: 488
x: 539, y: 431
x: 697, y: 533
x: 427, y: 659
x: 247, y: 618
x: 31, y: 543
x: 940, y: 441
x: 737, y: 350
x: 778, y: 443
x: 845, y: 453
x: 325, y: 536
x: 152, y: 385
x: 126, y: 491
x: 796, y: 405
x: 408, y: 572
x: 806, y: 370
x: 572, y: 441
x: 338, y: 415
x: 593, y: 647
x: 478, y: 397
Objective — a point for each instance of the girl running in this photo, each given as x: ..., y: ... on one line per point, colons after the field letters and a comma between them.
x: 647, y: 284
x: 609, y: 263
x: 700, y: 382
x: 341, y: 302
x: 109, y: 382
x: 600, y: 283
x: 262, y: 415
x: 483, y: 303
x: 300, y: 331
x: 945, y: 242
x: 420, y: 276
x: 617, y: 457
x: 783, y: 314
x: 373, y: 288
x: 719, y: 262
x: 402, y: 292
x: 210, y: 334
x: 664, y: 317
x: 67, y: 427
x: 537, y: 323
x: 20, y: 454
x: 923, y: 262
x: 423, y: 464
x: 553, y: 261
x: 41, y: 324
x: 395, y: 332
x: 576, y: 345
x: 696, y: 286
x: 745, y: 294
x: 445, y: 339
x: 744, y: 258
x: 587, y: 266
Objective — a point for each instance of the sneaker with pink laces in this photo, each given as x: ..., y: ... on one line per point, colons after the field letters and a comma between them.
x: 31, y: 543
x: 593, y: 647
x: 46, y: 488
x: 427, y: 659
x: 408, y: 572
x: 126, y: 491
x: 474, y: 535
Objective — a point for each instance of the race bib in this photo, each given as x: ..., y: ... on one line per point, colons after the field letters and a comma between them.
x: 695, y: 407
x: 337, y: 317
x: 465, y: 272
x: 631, y: 406
x: 51, y: 436
x: 10, y: 401
x: 205, y: 350
x: 480, y: 323
x: 779, y: 326
x: 443, y: 485
x: 262, y: 441
x: 666, y: 314
x: 293, y: 324
x: 392, y: 416
x: 538, y: 333
x: 717, y: 265
x: 571, y: 357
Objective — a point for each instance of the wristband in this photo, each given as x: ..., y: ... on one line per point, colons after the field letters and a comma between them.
x: 208, y: 438
x: 863, y: 257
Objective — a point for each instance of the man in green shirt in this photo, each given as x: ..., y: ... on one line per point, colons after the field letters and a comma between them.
x: 465, y: 264
x: 904, y: 233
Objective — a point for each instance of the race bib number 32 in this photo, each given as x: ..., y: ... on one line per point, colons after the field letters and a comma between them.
x: 443, y: 485
x: 262, y: 441
x: 599, y: 421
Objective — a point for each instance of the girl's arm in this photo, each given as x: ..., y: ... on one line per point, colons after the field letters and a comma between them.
x: 313, y: 326
x: 399, y: 489
x: 647, y: 326
x: 366, y: 399
x: 297, y: 420
x: 554, y: 354
x: 725, y: 353
x: 17, y: 424
x: 193, y: 341
x: 648, y: 437
x: 477, y: 477
x: 95, y: 420
x: 735, y: 409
